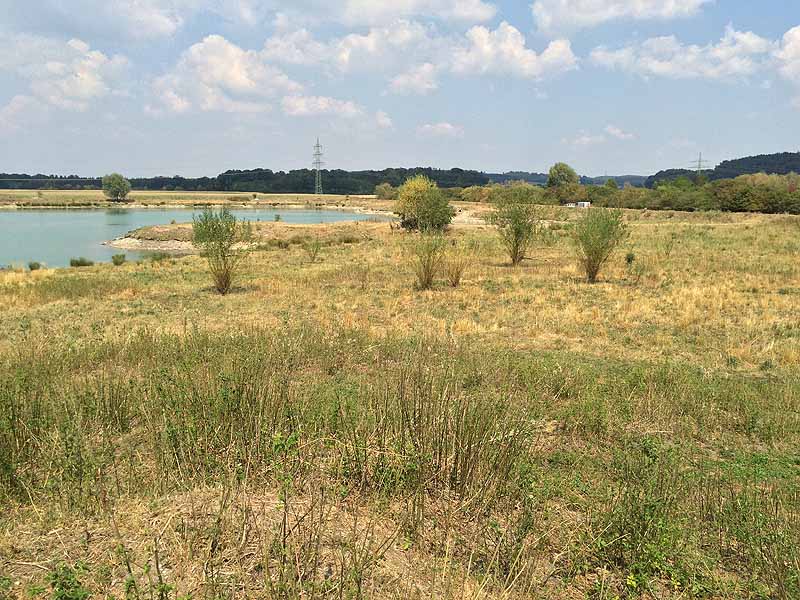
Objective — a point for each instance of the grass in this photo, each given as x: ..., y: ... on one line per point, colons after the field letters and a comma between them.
x: 326, y: 430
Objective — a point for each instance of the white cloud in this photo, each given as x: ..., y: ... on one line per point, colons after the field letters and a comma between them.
x: 307, y: 106
x: 417, y: 80
x: 133, y: 19
x: 360, y: 12
x: 378, y: 48
x: 383, y: 121
x: 584, y: 140
x: 296, y: 48
x: 788, y: 55
x: 217, y: 75
x: 19, y: 112
x: 65, y: 74
x: 442, y: 129
x: 564, y: 15
x: 737, y: 55
x: 503, y: 51
x: 618, y: 133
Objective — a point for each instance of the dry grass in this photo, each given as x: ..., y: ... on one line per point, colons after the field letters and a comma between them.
x: 328, y: 431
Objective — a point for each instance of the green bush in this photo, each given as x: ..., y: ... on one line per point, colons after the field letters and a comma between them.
x: 596, y: 236
x: 80, y: 262
x: 34, y: 266
x: 118, y: 260
x: 159, y: 256
x: 517, y: 222
x: 428, y: 254
x: 385, y: 191
x: 422, y: 206
x: 224, y: 241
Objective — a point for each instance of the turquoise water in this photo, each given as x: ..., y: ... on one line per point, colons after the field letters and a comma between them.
x: 52, y: 237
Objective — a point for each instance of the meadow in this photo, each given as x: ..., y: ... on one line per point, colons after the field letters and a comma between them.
x: 328, y: 431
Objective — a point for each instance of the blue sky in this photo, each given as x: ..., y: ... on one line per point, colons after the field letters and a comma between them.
x: 195, y: 87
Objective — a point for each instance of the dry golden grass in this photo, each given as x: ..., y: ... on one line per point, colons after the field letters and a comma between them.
x: 691, y: 353
x: 724, y: 295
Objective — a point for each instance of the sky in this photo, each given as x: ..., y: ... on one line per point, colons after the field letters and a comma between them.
x: 197, y: 87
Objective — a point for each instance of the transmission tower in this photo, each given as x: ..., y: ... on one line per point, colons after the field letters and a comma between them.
x: 700, y: 164
x: 318, y: 164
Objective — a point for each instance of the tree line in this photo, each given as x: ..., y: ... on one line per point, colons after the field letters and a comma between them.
x: 747, y: 193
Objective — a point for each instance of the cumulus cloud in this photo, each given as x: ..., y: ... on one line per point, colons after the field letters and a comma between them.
x: 359, y: 12
x: 417, y: 80
x: 308, y: 106
x: 504, y: 50
x: 217, y: 75
x: 443, y: 129
x: 64, y: 74
x: 564, y: 15
x: 737, y: 55
x: 618, y: 133
x: 377, y: 48
x: 788, y: 55
x: 480, y: 51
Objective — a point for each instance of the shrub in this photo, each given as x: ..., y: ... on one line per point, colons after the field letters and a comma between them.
x: 118, y: 260
x: 456, y: 262
x: 116, y: 187
x: 312, y: 248
x: 159, y: 256
x: 421, y: 205
x: 34, y: 266
x: 596, y: 236
x: 80, y: 262
x: 428, y: 252
x: 517, y: 222
x: 224, y: 241
x: 385, y: 191
x: 278, y: 218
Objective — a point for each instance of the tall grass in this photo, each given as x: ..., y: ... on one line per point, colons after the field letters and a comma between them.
x: 451, y: 434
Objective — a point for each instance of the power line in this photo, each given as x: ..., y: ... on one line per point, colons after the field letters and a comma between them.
x: 318, y: 164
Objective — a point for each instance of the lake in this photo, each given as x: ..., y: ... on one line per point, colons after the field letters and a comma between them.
x: 53, y: 236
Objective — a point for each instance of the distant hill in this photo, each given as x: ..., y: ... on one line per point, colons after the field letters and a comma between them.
x: 779, y: 164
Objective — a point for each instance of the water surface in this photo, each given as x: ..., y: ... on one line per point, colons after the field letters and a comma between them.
x: 53, y: 236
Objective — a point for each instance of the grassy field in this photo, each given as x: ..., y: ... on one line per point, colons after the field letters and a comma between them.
x: 326, y: 431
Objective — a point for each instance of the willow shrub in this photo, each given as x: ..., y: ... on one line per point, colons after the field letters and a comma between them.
x: 224, y: 241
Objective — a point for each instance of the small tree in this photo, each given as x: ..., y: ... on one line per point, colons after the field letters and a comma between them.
x: 596, y: 236
x: 562, y: 174
x: 116, y: 188
x: 517, y: 222
x: 224, y: 241
x: 421, y: 205
x: 385, y: 191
